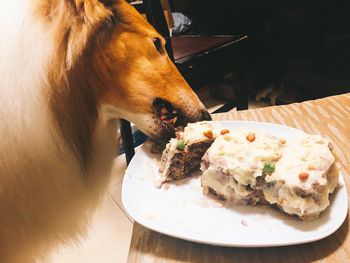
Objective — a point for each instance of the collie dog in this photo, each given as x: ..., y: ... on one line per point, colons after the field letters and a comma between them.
x: 68, y: 70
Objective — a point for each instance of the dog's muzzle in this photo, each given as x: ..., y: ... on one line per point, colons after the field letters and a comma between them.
x: 170, y: 118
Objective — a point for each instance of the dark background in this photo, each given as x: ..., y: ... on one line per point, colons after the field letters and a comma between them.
x: 302, y: 44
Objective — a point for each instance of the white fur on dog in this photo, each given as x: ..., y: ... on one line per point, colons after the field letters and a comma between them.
x: 43, y: 193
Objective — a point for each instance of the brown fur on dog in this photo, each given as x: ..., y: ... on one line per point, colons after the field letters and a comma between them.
x: 69, y: 69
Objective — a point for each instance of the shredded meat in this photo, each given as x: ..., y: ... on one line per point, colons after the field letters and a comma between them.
x: 183, y: 163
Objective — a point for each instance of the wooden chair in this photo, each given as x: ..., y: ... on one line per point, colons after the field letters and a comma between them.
x: 200, y: 59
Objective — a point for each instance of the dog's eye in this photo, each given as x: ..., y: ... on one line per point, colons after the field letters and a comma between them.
x: 158, y: 44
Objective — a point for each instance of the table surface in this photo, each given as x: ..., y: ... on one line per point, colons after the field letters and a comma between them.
x: 329, y: 117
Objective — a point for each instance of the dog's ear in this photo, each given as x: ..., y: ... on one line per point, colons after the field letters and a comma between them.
x: 73, y: 23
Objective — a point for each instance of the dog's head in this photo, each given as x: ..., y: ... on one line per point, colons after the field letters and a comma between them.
x: 144, y: 86
x: 124, y: 62
x: 106, y: 56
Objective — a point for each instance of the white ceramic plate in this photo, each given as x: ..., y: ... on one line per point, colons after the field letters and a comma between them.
x: 181, y: 210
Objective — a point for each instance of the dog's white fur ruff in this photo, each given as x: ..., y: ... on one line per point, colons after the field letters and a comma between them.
x: 44, y: 194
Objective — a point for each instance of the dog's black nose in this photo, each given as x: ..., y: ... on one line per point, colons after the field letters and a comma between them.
x: 206, y: 116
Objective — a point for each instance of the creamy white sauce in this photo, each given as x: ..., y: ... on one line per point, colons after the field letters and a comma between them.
x: 243, y: 161
x: 309, y: 154
x: 193, y: 132
x: 171, y: 150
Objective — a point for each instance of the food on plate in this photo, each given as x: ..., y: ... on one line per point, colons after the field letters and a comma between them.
x: 304, y: 177
x: 251, y: 167
x: 235, y: 164
x: 183, y: 154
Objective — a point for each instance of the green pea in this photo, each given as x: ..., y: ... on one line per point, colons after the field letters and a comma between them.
x: 269, y: 168
x: 180, y: 145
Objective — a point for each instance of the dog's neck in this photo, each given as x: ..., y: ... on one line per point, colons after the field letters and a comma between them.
x: 76, y: 111
x: 75, y: 87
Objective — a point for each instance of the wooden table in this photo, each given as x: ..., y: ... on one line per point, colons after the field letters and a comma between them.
x: 329, y: 117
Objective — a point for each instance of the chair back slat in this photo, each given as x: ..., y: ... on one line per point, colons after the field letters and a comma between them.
x: 155, y: 16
